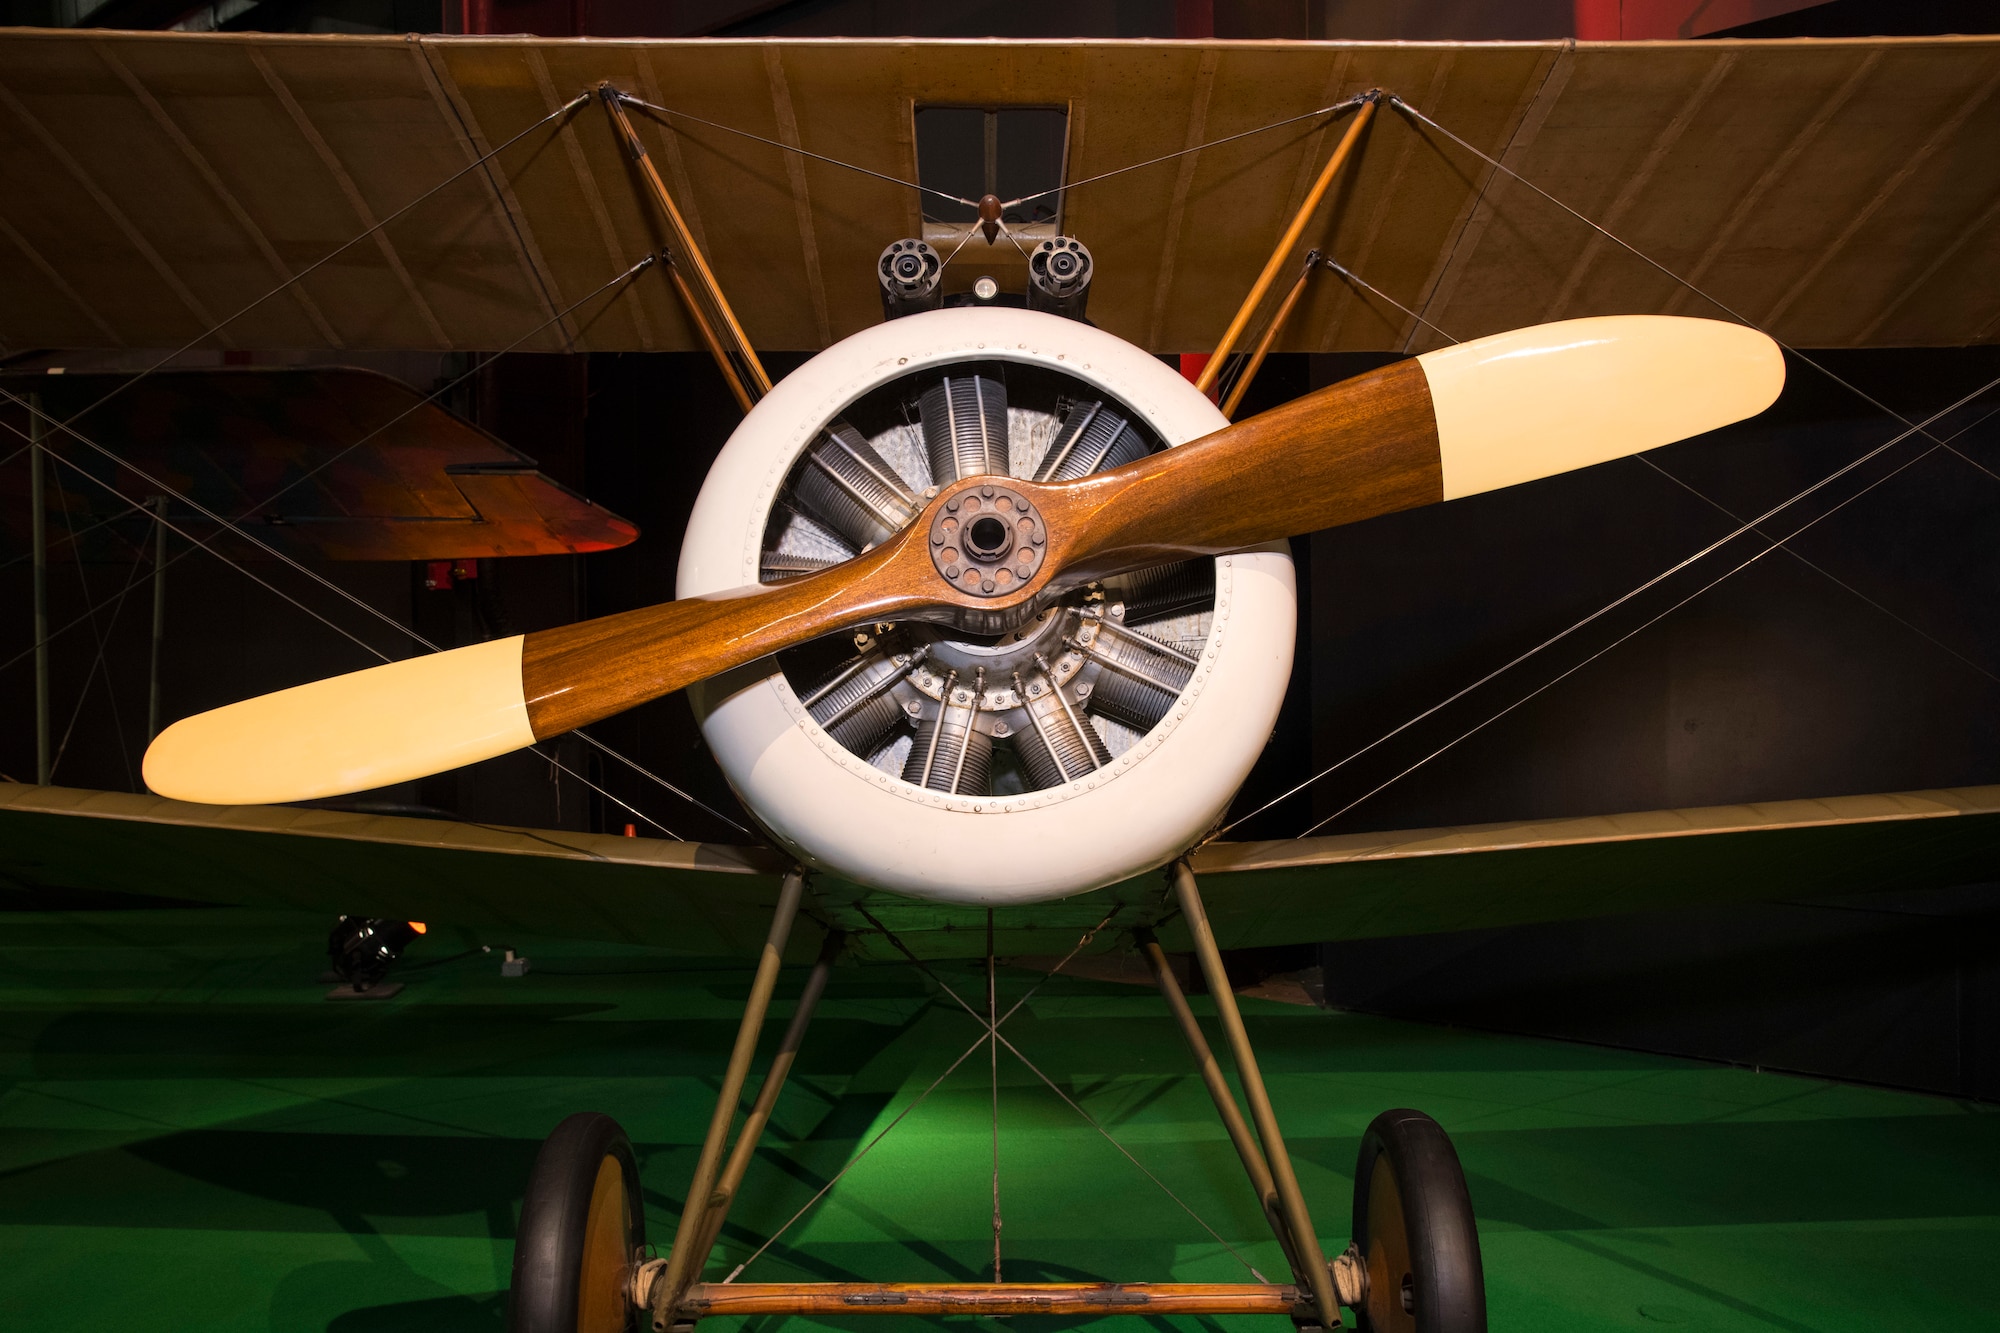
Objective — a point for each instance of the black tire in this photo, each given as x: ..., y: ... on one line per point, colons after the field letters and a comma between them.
x: 1413, y: 1225
x: 582, y: 1225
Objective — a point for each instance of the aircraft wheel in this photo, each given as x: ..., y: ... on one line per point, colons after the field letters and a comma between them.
x: 582, y: 1226
x: 1414, y: 1230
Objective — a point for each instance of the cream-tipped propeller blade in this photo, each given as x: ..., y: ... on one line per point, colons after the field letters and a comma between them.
x: 1450, y: 423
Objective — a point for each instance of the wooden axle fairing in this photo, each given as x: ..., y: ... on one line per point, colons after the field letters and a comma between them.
x: 708, y: 1299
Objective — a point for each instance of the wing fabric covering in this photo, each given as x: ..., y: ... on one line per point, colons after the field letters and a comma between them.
x: 160, y: 181
x: 709, y: 901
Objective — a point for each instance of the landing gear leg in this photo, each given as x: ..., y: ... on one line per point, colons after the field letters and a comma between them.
x: 578, y: 1262
x: 1308, y: 1263
x: 1414, y: 1265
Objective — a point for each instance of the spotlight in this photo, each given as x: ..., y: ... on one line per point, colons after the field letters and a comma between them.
x: 364, y: 948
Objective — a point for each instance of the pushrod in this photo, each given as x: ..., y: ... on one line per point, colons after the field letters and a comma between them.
x: 767, y: 1096
x: 1242, y: 385
x: 704, y: 276
x: 38, y: 535
x: 1297, y: 1220
x: 159, y: 616
x: 681, y: 1260
x: 1283, y: 251
x: 710, y: 1299
x: 1246, y: 1147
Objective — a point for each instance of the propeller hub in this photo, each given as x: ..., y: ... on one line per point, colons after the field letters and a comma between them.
x: 988, y: 540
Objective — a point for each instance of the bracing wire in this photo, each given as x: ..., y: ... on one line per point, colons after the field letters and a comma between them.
x: 1651, y: 262
x: 994, y: 1034
x: 1727, y: 512
x: 1649, y: 623
x: 1751, y: 526
x: 1339, y: 106
x: 344, y: 246
x: 627, y: 99
x: 355, y: 639
x: 934, y: 1085
x: 476, y: 163
x: 236, y: 528
x: 1919, y: 427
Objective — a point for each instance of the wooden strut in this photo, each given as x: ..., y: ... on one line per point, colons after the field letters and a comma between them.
x: 1283, y: 251
x: 1297, y: 1220
x: 677, y: 1299
x: 1252, y: 1156
x: 684, y: 240
x: 711, y: 1299
x: 1242, y: 385
x: 767, y: 1097
x: 683, y: 1261
x: 37, y: 528
x: 708, y: 338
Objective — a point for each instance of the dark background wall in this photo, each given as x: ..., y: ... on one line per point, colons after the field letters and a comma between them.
x: 1863, y: 656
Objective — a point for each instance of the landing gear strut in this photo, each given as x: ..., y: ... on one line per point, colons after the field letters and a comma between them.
x: 580, y: 1265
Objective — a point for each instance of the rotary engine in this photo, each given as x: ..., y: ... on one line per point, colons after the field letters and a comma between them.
x: 1097, y: 734
x: 1039, y: 705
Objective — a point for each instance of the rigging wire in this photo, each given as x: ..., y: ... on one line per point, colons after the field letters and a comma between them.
x: 934, y: 1085
x: 99, y: 662
x: 1729, y: 513
x: 363, y: 644
x: 1641, y: 255
x: 1827, y: 574
x: 1647, y: 624
x: 993, y: 1033
x: 214, y: 329
x: 1343, y: 105
x: 236, y: 528
x: 1617, y: 602
x: 628, y: 99
x: 1920, y: 427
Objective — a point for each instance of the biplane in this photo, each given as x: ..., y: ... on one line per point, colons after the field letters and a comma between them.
x: 985, y: 609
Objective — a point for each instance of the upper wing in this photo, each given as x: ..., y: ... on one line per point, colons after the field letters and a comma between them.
x: 711, y: 901
x: 1839, y: 193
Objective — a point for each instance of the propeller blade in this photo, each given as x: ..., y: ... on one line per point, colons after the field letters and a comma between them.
x: 1481, y: 415
x: 1450, y: 423
x: 426, y: 714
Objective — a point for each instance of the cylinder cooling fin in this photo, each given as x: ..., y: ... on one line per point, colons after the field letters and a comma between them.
x: 1092, y: 742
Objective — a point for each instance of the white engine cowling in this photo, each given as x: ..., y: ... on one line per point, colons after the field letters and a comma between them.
x: 839, y: 812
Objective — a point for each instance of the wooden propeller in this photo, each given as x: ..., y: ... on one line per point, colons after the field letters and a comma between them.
x: 1446, y: 424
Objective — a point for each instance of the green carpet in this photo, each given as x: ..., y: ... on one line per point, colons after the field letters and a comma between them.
x: 194, y: 1139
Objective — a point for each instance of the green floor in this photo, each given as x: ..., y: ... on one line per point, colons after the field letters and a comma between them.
x: 195, y: 1139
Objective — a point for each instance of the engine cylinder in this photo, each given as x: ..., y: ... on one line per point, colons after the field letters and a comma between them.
x: 1167, y: 590
x: 855, y: 704
x: 1058, y: 745
x: 1142, y: 676
x: 851, y: 488
x: 1093, y: 438
x: 949, y: 754
x: 965, y: 428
